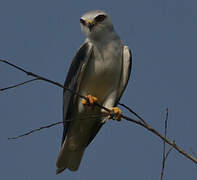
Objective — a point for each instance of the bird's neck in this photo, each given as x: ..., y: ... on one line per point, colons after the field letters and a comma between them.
x: 103, y: 40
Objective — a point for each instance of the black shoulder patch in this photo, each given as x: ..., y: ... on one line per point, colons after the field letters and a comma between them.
x: 76, y: 63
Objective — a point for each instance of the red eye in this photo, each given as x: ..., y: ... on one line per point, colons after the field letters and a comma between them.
x: 100, y: 18
x: 82, y: 21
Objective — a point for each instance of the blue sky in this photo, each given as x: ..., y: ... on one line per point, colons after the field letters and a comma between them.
x: 43, y: 36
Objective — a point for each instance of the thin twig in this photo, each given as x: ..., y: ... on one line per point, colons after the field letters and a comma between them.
x: 133, y: 112
x: 171, y: 143
x: 141, y: 123
x: 52, y: 125
x: 34, y: 130
x: 50, y: 81
x: 164, y: 162
x: 167, y: 154
x: 164, y: 146
x: 19, y: 84
x: 40, y: 77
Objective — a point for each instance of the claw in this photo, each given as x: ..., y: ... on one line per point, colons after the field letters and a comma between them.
x: 90, y: 100
x: 115, y: 113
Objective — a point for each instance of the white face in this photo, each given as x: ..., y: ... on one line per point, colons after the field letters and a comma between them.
x: 95, y: 23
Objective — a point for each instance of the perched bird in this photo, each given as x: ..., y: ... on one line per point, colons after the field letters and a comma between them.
x: 100, y: 71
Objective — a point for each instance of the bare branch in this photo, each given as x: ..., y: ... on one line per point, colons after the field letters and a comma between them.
x: 171, y: 143
x: 40, y: 77
x: 52, y: 125
x: 165, y: 155
x: 16, y: 67
x: 166, y: 123
x: 164, y: 161
x: 140, y: 122
x: 34, y: 130
x: 165, y: 134
x: 133, y: 112
x: 19, y: 84
x: 169, y: 150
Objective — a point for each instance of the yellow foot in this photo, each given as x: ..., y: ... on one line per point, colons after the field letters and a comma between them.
x: 115, y: 113
x: 90, y: 100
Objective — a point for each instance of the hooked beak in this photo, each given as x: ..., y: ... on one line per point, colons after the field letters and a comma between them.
x: 90, y: 24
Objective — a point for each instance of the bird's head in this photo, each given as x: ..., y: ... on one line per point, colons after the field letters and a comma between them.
x: 95, y: 24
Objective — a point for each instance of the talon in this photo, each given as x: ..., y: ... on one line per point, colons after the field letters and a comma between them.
x: 115, y: 113
x: 84, y: 101
x: 90, y: 100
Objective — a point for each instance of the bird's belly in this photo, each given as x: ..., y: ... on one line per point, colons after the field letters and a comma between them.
x: 101, y: 78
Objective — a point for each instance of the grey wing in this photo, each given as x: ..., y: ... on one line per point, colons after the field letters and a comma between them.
x: 126, y: 71
x: 72, y: 82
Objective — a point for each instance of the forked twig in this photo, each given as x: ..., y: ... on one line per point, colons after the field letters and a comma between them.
x: 133, y: 112
x: 165, y: 155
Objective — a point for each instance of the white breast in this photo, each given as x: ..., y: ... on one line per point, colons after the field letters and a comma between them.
x: 103, y: 71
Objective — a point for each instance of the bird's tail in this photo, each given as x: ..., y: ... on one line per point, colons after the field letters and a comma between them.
x: 68, y: 159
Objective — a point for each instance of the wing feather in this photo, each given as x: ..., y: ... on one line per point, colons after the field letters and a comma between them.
x: 72, y: 82
x: 126, y: 71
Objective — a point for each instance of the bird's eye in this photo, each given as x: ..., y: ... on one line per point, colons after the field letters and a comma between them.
x: 100, y: 18
x: 82, y: 21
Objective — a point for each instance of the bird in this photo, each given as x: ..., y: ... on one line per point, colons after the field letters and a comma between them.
x: 99, y: 71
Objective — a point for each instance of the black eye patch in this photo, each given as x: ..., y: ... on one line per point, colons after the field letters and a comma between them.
x: 100, y: 18
x: 82, y: 21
